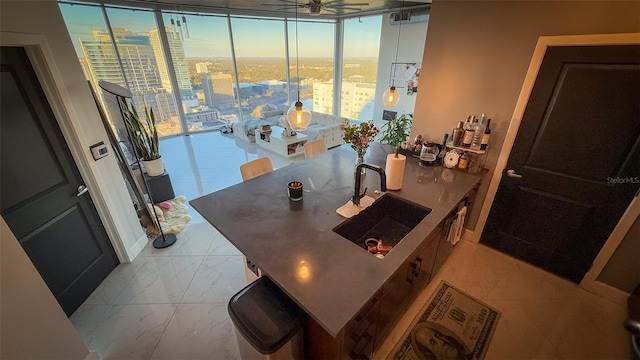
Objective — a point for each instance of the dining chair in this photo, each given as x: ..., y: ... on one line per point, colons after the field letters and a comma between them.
x: 255, y: 168
x: 314, y: 148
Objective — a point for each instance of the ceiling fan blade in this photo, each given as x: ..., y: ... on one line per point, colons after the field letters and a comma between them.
x: 334, y: 4
x: 292, y: 2
x: 344, y: 8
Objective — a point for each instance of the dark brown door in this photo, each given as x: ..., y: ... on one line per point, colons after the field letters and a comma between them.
x: 578, y: 154
x: 59, y: 230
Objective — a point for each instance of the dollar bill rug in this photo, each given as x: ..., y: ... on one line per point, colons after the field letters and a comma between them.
x: 453, y: 326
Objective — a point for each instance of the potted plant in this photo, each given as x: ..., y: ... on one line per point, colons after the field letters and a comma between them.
x: 394, y: 133
x: 144, y: 136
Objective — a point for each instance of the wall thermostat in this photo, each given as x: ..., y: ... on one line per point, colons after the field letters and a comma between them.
x: 99, y: 150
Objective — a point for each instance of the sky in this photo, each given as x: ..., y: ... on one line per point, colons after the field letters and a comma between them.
x: 209, y: 35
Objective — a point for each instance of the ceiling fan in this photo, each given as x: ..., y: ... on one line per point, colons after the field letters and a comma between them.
x: 316, y: 7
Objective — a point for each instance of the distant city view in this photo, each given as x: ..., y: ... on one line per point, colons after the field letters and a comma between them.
x: 208, y: 95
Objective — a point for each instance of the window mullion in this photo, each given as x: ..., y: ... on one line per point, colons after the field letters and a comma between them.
x: 235, y: 68
x: 171, y: 70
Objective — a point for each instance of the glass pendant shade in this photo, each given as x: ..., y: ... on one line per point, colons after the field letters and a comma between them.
x: 390, y: 97
x: 299, y: 117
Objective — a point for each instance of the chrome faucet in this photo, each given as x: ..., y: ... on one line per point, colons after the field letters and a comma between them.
x: 383, y: 181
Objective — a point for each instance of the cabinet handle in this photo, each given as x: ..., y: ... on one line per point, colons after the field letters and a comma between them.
x: 411, y: 273
x: 419, y: 265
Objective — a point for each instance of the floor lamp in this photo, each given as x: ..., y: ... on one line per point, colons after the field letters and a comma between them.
x: 122, y: 94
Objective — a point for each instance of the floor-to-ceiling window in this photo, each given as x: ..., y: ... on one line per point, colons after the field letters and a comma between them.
x: 261, y: 59
x: 186, y: 71
x: 95, y: 51
x: 202, y: 61
x: 314, y: 62
x: 360, y: 67
x: 139, y: 44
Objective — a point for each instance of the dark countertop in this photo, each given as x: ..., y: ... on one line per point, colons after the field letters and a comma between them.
x: 327, y: 275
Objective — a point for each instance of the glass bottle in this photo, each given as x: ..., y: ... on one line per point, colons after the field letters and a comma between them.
x: 478, y: 133
x: 485, y: 138
x: 468, y: 132
x: 443, y: 149
x: 457, y: 134
x: 464, y: 161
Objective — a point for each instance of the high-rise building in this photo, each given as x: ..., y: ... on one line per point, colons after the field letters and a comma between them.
x: 176, y: 48
x: 218, y: 89
x: 100, y: 59
x: 139, y: 65
x: 353, y: 98
x: 138, y: 60
x: 202, y: 67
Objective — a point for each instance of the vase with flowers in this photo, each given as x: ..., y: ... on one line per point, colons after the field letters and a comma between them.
x: 359, y: 136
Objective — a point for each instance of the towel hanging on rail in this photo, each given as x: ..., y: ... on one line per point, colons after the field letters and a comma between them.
x: 455, y: 232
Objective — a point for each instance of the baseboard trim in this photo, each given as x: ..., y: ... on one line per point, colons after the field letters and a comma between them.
x: 139, y: 245
x: 607, y: 291
x: 92, y: 355
x: 468, y: 235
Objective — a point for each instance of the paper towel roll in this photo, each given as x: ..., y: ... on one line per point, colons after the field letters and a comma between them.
x: 395, y: 171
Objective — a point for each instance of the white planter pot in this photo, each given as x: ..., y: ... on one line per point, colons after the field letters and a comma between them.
x: 153, y: 167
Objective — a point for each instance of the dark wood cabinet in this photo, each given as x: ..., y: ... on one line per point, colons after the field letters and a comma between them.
x: 377, y: 318
x: 406, y: 283
x: 361, y: 332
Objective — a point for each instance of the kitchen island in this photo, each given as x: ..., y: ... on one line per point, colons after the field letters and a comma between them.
x: 331, y: 278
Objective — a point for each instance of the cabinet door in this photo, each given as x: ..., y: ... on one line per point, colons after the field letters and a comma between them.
x: 424, y: 260
x: 444, y: 247
x: 359, y: 335
x: 396, y: 298
x: 405, y: 284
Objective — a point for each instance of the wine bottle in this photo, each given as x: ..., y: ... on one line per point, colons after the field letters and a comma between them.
x: 485, y: 138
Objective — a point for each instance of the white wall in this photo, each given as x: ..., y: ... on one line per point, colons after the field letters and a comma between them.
x: 477, y: 54
x: 32, y: 324
x: 410, y: 50
x: 40, y: 25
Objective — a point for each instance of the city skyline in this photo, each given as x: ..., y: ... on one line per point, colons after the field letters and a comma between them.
x: 210, y: 91
x: 315, y: 38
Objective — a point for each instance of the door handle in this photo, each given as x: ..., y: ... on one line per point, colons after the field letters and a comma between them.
x: 82, y: 190
x: 512, y: 174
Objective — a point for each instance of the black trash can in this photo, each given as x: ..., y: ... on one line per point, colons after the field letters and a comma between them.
x: 269, y: 325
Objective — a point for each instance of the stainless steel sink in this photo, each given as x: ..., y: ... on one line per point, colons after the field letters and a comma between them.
x: 389, y: 219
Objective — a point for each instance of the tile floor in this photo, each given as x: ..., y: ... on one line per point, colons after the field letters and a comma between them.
x: 172, y: 303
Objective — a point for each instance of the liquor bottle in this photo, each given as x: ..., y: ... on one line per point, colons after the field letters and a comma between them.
x: 468, y: 132
x: 443, y: 149
x: 478, y: 133
x: 457, y: 134
x: 464, y: 161
x: 485, y: 138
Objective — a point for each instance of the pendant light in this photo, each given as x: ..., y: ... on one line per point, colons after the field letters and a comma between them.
x: 391, y: 96
x: 298, y: 116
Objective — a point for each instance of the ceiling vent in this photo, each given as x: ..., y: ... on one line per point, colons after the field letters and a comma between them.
x: 409, y: 17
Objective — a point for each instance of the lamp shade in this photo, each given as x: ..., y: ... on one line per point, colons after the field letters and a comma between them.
x: 299, y: 117
x: 391, y: 97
